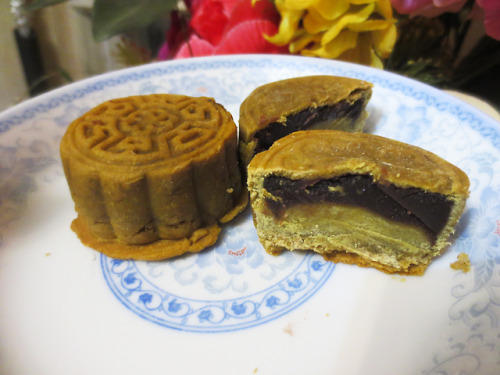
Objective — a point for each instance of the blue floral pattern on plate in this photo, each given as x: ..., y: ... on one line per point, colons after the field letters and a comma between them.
x: 141, y: 293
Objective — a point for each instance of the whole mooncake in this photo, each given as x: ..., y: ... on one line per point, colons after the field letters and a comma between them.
x: 356, y: 198
x: 151, y: 176
x: 279, y: 108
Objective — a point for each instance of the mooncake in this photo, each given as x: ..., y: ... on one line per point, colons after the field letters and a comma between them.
x: 356, y: 198
x: 279, y: 108
x: 153, y: 176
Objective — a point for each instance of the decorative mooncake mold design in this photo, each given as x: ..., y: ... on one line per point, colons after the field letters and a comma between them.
x: 151, y: 175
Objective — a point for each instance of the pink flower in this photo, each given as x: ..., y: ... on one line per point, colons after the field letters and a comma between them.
x: 491, y: 17
x: 433, y: 8
x: 175, y: 36
x: 229, y: 26
x: 427, y: 8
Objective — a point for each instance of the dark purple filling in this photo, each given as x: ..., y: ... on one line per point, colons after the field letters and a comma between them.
x: 305, y: 119
x: 405, y: 205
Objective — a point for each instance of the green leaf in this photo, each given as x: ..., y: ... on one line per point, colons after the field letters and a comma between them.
x: 113, y: 17
x: 39, y: 4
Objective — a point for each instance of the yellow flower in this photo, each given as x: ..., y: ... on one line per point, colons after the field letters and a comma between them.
x: 362, y: 31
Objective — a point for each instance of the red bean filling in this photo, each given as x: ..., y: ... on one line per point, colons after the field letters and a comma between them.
x: 412, y: 206
x: 305, y: 119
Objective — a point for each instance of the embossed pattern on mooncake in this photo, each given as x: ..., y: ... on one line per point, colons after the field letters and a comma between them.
x: 146, y: 129
x: 149, y: 168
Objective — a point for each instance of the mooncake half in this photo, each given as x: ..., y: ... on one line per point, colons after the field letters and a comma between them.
x: 152, y: 176
x: 279, y: 108
x: 356, y: 198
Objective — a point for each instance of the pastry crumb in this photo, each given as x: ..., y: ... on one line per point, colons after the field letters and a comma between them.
x: 288, y: 329
x: 47, y: 254
x: 462, y: 263
x: 400, y: 279
x: 255, y: 370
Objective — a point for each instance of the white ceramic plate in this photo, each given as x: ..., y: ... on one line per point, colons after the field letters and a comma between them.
x: 233, y: 309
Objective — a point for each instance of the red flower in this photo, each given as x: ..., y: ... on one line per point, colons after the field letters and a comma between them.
x: 209, y: 20
x: 230, y: 26
x: 491, y: 17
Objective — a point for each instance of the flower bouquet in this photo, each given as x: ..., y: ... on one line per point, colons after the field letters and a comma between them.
x: 446, y: 43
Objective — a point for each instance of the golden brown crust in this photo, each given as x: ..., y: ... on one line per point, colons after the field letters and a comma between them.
x: 348, y: 233
x: 153, y: 168
x: 275, y: 101
x: 161, y: 249
x: 240, y: 205
x: 276, y: 243
x: 330, y: 153
x: 351, y: 258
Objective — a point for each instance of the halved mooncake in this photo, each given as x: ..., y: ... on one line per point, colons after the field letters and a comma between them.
x: 151, y: 176
x: 356, y: 198
x: 279, y: 108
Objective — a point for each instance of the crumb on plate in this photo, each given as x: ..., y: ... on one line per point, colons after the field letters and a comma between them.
x: 462, y: 263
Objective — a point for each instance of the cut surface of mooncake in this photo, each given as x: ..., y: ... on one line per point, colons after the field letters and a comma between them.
x: 279, y: 108
x: 152, y: 176
x: 356, y: 198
